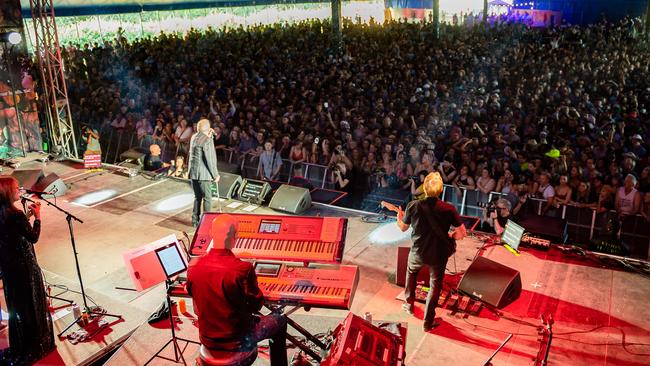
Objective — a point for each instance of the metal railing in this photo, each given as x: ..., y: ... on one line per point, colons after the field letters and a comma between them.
x: 583, y: 223
x: 114, y: 142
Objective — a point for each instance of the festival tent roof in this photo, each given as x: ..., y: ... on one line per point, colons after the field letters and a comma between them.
x: 498, y: 3
x: 94, y: 7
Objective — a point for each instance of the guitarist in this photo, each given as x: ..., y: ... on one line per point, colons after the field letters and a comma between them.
x: 431, y: 219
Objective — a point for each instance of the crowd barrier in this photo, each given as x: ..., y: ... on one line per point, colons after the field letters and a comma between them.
x: 114, y: 142
x: 584, y: 224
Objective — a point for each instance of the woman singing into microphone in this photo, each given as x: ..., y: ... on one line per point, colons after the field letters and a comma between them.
x: 30, y: 325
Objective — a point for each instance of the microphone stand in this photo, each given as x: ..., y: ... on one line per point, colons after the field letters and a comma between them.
x: 86, y: 310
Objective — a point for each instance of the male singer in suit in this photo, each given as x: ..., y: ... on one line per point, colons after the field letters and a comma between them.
x: 203, y: 169
x: 431, y: 219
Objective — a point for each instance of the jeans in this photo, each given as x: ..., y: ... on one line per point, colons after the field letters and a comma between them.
x: 274, y: 328
x: 202, y: 195
x: 436, y: 275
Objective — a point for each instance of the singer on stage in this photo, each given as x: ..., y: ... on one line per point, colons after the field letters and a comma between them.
x: 431, y: 219
x: 203, y: 169
x: 30, y: 325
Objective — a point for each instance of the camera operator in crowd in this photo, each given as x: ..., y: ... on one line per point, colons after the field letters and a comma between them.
x: 496, y: 215
x: 416, y: 183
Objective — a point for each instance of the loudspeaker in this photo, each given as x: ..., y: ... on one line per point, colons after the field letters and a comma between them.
x: 402, y: 267
x: 491, y: 282
x: 51, y: 184
x: 291, y: 199
x: 228, y: 185
x: 27, y: 178
x: 135, y: 156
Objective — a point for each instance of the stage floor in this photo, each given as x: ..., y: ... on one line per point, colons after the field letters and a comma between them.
x: 601, y: 317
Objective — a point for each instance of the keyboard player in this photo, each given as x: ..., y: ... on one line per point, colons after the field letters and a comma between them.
x: 226, y: 297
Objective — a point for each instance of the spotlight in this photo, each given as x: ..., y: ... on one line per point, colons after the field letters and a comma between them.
x: 13, y: 38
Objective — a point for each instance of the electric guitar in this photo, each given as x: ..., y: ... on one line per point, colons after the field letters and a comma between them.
x: 391, y: 207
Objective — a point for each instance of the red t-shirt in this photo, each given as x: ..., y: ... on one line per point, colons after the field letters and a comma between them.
x: 225, y: 294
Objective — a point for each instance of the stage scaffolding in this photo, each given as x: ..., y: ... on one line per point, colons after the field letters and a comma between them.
x: 48, y: 53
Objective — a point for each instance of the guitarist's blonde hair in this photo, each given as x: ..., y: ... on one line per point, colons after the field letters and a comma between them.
x: 432, y: 185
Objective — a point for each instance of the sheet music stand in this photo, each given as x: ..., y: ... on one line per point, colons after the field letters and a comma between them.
x: 173, y: 264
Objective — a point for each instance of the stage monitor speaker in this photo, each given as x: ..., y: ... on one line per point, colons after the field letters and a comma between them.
x: 491, y: 282
x: 402, y: 267
x: 52, y: 184
x: 291, y: 199
x: 228, y: 185
x: 27, y: 178
x: 134, y: 155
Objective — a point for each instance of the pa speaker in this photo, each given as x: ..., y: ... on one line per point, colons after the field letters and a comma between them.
x: 291, y: 199
x: 27, y: 178
x: 491, y: 282
x: 228, y: 185
x: 52, y: 184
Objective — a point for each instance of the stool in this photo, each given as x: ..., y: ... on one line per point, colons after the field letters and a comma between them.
x: 211, y: 357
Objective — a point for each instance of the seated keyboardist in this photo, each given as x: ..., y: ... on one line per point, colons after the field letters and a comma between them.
x: 226, y: 298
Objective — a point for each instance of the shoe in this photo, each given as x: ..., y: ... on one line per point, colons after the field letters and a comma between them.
x: 408, y: 308
x: 429, y: 327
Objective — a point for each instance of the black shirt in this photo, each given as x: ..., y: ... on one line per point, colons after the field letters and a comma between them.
x: 428, y: 241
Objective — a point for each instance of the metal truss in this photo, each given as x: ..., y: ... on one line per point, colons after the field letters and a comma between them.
x: 48, y: 53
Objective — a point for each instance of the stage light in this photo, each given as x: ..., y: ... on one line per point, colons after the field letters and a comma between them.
x: 13, y: 38
x: 388, y: 233
x: 95, y: 197
x: 176, y: 202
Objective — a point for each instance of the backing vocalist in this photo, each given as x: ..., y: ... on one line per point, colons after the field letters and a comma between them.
x: 30, y: 325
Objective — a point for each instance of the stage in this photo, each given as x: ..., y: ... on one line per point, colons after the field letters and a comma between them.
x: 600, y: 313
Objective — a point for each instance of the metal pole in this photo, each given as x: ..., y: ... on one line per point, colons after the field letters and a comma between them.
x: 485, y: 11
x: 436, y: 18
x: 337, y: 37
x: 647, y: 21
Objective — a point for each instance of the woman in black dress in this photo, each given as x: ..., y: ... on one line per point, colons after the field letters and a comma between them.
x: 30, y: 325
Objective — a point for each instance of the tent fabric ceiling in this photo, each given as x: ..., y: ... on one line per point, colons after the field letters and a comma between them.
x: 96, y: 7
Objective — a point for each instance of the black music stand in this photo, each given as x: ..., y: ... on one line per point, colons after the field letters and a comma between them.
x: 173, y: 264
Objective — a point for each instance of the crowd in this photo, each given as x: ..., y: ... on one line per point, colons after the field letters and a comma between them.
x: 558, y: 113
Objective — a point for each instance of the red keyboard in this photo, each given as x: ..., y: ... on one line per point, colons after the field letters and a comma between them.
x: 284, y: 238
x: 317, y: 285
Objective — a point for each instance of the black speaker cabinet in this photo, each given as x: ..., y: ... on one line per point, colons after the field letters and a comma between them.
x: 27, y: 178
x: 402, y: 267
x: 228, y: 185
x: 53, y: 185
x: 491, y: 282
x: 291, y: 199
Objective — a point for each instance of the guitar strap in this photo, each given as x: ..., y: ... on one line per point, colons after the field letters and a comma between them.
x: 450, y: 244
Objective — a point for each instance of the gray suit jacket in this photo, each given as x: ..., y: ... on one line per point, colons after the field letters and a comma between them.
x: 203, y: 158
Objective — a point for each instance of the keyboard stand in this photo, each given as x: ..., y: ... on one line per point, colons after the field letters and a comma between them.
x: 297, y: 342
